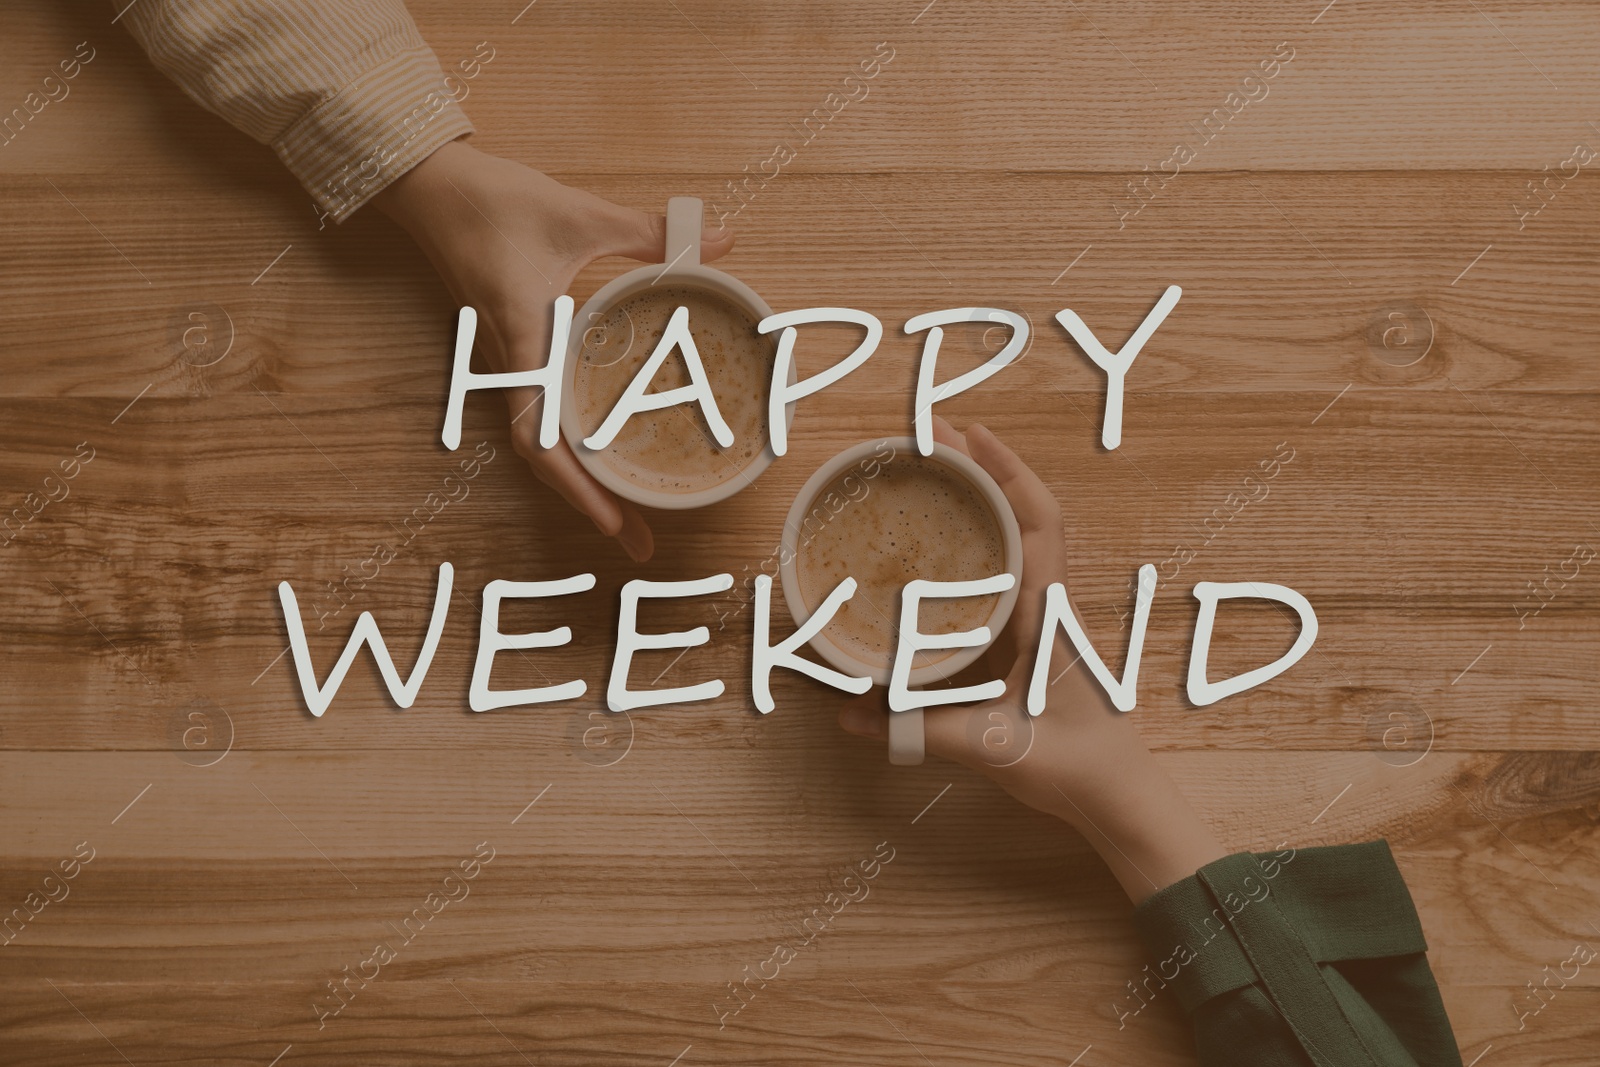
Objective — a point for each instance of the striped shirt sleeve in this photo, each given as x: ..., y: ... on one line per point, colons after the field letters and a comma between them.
x: 345, y: 91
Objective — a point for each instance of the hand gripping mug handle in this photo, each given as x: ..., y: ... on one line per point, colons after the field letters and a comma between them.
x: 907, y: 743
x: 685, y: 219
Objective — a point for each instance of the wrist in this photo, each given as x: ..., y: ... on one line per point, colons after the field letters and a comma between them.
x: 1105, y: 785
x: 1134, y: 815
x: 1110, y: 768
x: 413, y: 197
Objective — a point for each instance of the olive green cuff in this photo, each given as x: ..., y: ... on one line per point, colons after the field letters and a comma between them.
x: 1212, y: 934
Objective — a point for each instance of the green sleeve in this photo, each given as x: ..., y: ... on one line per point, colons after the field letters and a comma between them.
x: 1295, y: 958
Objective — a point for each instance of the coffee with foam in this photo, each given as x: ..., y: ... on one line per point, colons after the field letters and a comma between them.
x: 671, y: 450
x: 914, y: 518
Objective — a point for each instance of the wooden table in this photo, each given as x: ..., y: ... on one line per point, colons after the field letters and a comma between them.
x: 1357, y: 218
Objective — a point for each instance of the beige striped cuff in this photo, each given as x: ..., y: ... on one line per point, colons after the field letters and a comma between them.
x: 372, y: 131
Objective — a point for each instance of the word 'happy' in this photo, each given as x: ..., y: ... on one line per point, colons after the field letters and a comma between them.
x: 636, y: 399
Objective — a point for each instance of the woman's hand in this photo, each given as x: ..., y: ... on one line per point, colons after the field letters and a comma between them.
x: 507, y: 240
x: 1080, y: 759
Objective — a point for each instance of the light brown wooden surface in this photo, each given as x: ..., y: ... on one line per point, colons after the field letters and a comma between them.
x: 1419, y: 504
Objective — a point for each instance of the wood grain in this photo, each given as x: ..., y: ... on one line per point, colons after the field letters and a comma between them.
x: 676, y: 847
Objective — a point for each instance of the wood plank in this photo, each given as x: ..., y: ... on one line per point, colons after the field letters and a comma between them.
x: 1297, y: 300
x: 593, y: 1025
x: 253, y: 502
x: 1032, y: 86
x: 728, y: 847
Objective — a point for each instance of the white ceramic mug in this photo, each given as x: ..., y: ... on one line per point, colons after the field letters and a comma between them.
x: 685, y: 217
x: 905, y: 727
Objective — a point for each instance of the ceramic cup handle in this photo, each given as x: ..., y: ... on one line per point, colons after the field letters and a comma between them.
x: 685, y: 218
x: 906, y: 740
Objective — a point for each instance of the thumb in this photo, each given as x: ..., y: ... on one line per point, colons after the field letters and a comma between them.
x: 643, y: 236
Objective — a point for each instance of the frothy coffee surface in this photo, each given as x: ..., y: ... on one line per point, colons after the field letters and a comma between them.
x: 913, y: 518
x: 672, y: 450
